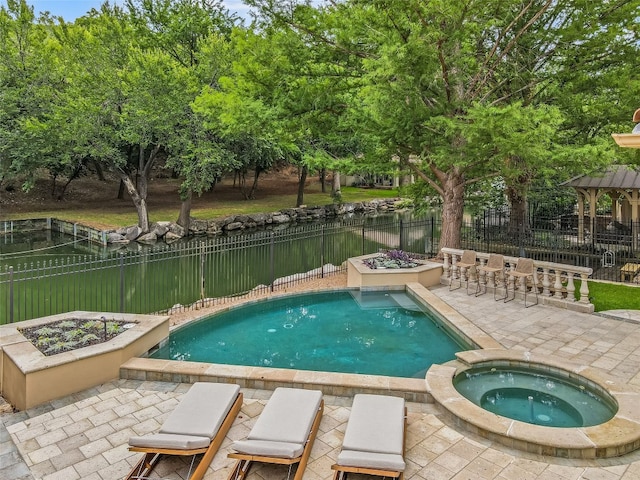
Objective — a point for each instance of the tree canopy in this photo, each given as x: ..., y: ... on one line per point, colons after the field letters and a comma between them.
x: 460, y: 93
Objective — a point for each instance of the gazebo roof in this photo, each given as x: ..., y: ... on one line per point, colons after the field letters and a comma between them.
x: 616, y: 176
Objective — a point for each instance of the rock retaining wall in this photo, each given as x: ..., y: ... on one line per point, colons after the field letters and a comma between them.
x: 170, y: 231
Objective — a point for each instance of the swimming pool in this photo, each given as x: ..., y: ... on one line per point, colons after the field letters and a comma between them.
x: 380, y: 333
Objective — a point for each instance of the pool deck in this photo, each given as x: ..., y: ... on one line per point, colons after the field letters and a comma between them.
x: 85, y: 435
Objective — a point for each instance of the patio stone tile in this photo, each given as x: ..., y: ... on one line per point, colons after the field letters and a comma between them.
x: 497, y: 457
x: 435, y: 471
x: 52, y: 437
x: 83, y: 412
x: 104, y: 417
x: 39, y: 470
x: 91, y: 465
x: 71, y: 443
x: 96, y: 447
x: 453, y: 462
x: 78, y: 427
x: 68, y: 473
x: 98, y: 432
x: 44, y: 453
x: 68, y: 458
x: 480, y: 469
x: 466, y: 450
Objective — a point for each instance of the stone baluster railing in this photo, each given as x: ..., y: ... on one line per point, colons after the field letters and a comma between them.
x: 555, y: 281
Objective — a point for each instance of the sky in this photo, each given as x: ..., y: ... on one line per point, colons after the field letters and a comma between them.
x: 72, y: 9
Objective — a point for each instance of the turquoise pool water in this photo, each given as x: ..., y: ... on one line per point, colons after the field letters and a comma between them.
x: 534, y: 396
x: 381, y: 333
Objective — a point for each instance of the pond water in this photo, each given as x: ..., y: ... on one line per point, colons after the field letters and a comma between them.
x: 381, y: 333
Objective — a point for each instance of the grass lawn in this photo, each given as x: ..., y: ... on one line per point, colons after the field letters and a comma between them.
x: 111, y: 218
x: 611, y: 296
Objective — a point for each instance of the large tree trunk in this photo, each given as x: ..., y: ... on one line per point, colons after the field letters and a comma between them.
x: 138, y: 190
x: 335, y: 185
x: 452, y: 211
x: 451, y: 186
x: 301, y: 181
x: 184, y: 218
x: 516, y: 193
x: 254, y: 187
x: 519, y: 226
x: 323, y: 180
x: 139, y: 200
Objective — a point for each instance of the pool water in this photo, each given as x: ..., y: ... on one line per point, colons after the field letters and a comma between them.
x: 381, y: 333
x: 535, y: 397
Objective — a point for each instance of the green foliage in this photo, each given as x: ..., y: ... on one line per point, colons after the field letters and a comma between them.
x: 610, y: 296
x: 73, y: 334
x: 47, y: 331
x: 114, y: 328
x: 92, y: 324
x: 88, y: 338
x: 471, y: 98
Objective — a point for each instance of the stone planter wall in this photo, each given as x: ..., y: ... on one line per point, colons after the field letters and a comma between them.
x: 30, y: 378
x: 359, y: 275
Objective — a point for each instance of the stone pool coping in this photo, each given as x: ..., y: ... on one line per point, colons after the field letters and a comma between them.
x: 616, y: 437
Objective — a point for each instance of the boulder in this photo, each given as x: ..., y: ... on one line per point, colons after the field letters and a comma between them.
x: 175, y: 229
x: 159, y: 230
x: 234, y: 226
x: 133, y: 232
x: 149, y: 238
x: 281, y: 218
x: 171, y: 237
x: 115, y: 237
x: 259, y: 219
x: 198, y: 227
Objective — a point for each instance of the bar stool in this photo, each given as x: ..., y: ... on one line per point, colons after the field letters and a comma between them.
x: 493, y: 267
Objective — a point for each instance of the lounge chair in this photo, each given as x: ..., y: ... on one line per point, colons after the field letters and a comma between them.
x: 374, y: 440
x: 283, y: 434
x: 198, y: 425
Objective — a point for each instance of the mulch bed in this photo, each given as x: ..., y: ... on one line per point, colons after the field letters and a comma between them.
x: 71, y: 334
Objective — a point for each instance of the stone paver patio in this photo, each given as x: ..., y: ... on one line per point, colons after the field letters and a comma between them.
x: 85, y: 435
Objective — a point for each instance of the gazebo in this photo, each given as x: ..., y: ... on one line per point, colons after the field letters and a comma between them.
x: 622, y: 184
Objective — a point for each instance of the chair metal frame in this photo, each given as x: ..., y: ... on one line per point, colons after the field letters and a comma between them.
x: 468, y: 260
x: 493, y: 267
x: 524, y: 269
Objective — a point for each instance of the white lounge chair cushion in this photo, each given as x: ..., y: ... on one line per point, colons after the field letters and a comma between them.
x: 198, y: 416
x: 374, y: 436
x: 283, y: 427
x: 269, y: 448
x: 376, y: 424
x: 170, y: 441
x: 383, y: 461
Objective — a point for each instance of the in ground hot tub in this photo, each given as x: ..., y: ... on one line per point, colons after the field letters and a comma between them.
x: 556, y: 421
x: 536, y: 396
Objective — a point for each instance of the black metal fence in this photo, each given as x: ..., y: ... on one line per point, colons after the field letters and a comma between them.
x: 609, y: 247
x: 180, y: 275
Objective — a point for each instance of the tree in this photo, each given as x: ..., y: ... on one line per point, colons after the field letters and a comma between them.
x: 194, y: 35
x: 29, y: 79
x: 433, y: 70
x: 285, y: 89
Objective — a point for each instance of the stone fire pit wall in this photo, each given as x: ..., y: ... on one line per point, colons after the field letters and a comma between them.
x: 29, y: 378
